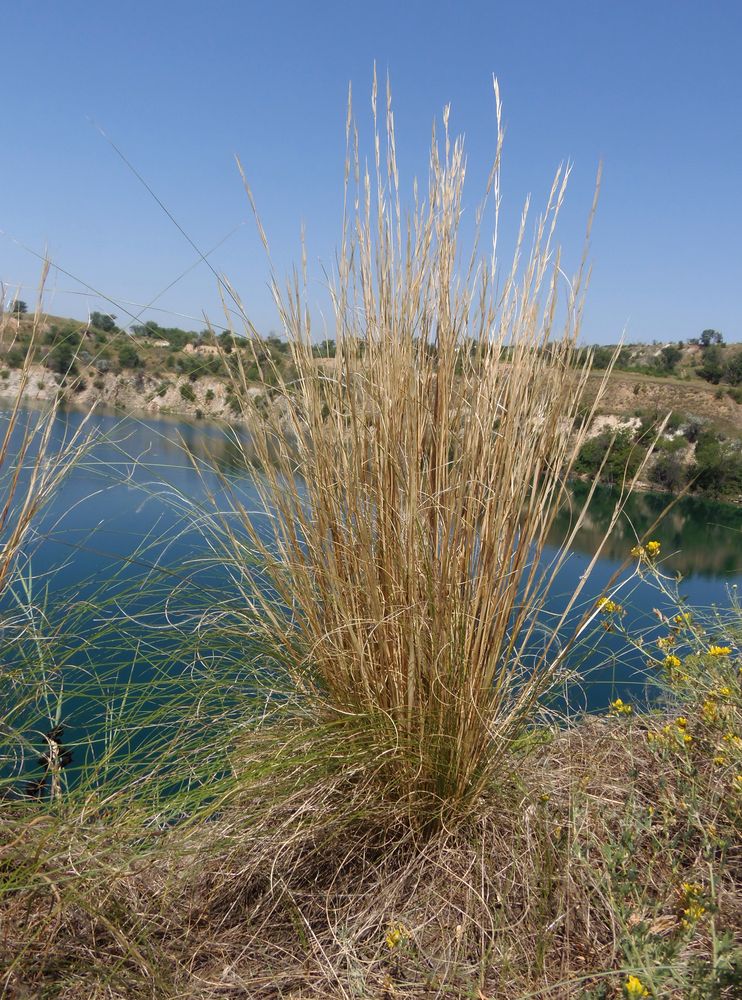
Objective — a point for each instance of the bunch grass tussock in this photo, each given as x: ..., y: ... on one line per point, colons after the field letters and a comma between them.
x: 411, y: 486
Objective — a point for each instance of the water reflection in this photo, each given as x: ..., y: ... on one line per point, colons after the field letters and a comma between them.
x: 699, y: 537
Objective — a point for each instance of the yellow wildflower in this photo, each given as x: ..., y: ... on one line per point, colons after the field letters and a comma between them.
x: 683, y: 619
x: 608, y: 606
x: 671, y: 662
x: 687, y: 738
x: 681, y: 722
x: 396, y: 935
x: 709, y: 711
x: 653, y: 549
x: 620, y: 707
x: 666, y: 641
x: 719, y: 650
x: 724, y: 692
x: 732, y: 738
x: 720, y: 760
x: 635, y: 987
x: 692, y: 914
x: 691, y: 889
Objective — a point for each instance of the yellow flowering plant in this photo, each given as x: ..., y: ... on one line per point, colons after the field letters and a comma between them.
x: 634, y: 987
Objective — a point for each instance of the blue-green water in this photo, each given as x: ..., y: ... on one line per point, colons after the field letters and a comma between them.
x: 120, y: 517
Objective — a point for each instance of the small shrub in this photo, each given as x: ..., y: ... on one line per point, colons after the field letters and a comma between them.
x: 668, y: 472
x: 104, y: 322
x: 623, y: 458
x: 186, y: 391
x: 209, y: 395
x: 235, y: 404
x: 4, y: 373
x: 61, y: 359
x: 15, y: 358
x: 692, y: 429
x: 128, y: 356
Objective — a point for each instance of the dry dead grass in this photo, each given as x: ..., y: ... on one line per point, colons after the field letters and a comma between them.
x: 293, y: 894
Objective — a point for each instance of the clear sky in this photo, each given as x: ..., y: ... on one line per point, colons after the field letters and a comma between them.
x: 654, y: 89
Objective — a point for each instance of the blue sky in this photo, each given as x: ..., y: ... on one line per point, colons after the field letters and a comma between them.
x: 652, y: 89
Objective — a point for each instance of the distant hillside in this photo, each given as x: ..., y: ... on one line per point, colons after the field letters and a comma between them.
x: 173, y: 371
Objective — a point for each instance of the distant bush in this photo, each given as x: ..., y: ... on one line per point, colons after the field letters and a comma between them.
x: 709, y: 337
x: 15, y: 358
x: 176, y: 337
x: 61, y: 359
x: 235, y: 404
x: 103, y: 321
x: 669, y: 357
x: 718, y: 466
x: 733, y: 370
x: 209, y: 395
x: 19, y: 307
x: 668, y: 472
x: 623, y: 459
x: 191, y: 365
x: 671, y: 445
x: 128, y: 356
x: 692, y: 429
x: 186, y: 391
x: 712, y: 368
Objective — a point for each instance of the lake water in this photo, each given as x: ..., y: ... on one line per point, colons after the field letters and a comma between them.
x: 123, y: 510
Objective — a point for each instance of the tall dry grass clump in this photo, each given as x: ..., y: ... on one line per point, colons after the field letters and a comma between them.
x: 413, y: 478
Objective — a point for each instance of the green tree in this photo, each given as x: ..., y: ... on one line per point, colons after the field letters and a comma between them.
x: 668, y: 472
x: 712, y: 368
x: 103, y: 321
x: 669, y: 357
x: 19, y: 307
x: 733, y: 370
x: 62, y: 359
x: 718, y: 466
x: 709, y: 337
x: 623, y: 458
